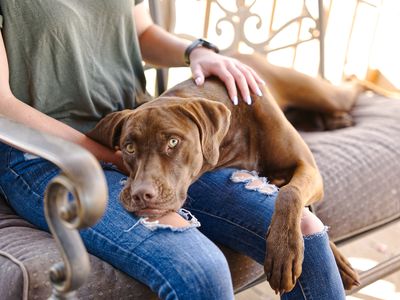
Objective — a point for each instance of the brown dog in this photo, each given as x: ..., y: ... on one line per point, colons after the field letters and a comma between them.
x: 171, y: 141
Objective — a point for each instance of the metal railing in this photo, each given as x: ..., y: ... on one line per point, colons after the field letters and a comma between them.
x: 82, y: 177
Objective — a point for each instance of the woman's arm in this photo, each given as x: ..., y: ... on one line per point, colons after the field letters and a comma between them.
x: 161, y: 48
x: 17, y: 110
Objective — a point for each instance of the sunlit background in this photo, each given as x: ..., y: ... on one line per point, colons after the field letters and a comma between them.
x: 361, y: 37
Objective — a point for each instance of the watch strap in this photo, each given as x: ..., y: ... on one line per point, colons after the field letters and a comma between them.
x: 198, y: 43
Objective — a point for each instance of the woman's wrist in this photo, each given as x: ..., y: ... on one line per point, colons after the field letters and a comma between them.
x: 199, y: 52
x: 198, y: 44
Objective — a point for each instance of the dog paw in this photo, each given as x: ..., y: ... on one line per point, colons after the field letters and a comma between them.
x: 337, y: 120
x: 349, y: 276
x: 284, y: 257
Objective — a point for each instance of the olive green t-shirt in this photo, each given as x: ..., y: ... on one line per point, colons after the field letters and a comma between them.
x: 74, y: 60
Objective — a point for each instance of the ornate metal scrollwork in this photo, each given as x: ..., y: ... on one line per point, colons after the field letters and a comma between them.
x: 63, y: 220
x: 243, y: 12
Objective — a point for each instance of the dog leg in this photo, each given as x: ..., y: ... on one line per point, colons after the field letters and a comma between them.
x: 365, y: 85
x: 306, y: 120
x: 285, y: 244
x: 349, y: 276
x: 291, y: 88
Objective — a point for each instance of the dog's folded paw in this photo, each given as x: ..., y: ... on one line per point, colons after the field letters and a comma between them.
x: 349, y: 276
x: 337, y: 120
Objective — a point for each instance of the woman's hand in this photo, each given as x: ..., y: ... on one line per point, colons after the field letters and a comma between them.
x: 203, y: 62
x: 236, y: 75
x: 119, y: 162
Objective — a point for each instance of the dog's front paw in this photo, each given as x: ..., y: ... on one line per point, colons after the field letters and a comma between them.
x: 284, y: 256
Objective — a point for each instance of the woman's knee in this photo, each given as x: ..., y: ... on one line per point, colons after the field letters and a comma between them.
x: 211, y: 275
x: 172, y: 219
x: 205, y: 275
x: 310, y: 224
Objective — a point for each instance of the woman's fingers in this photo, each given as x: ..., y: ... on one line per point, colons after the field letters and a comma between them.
x: 252, y: 79
x: 229, y: 81
x: 198, y: 75
x: 236, y: 76
x: 241, y: 81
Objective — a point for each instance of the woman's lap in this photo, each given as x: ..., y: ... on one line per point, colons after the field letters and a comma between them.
x: 159, y: 257
x: 229, y: 214
x: 213, y: 199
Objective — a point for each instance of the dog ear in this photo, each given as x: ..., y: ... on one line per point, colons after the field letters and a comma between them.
x: 213, y: 120
x: 108, y: 131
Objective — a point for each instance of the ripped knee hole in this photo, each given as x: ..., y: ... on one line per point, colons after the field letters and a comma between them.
x: 174, y: 221
x: 254, y: 182
x: 310, y: 224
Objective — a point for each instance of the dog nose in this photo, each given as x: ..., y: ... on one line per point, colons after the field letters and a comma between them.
x: 144, y: 193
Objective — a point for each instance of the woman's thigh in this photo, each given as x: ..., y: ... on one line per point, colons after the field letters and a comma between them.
x: 234, y: 210
x: 174, y: 262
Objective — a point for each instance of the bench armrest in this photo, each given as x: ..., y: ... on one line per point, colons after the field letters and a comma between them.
x: 82, y: 177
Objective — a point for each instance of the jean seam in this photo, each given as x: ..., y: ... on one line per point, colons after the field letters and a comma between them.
x: 3, y: 195
x: 302, y: 291
x: 8, y: 157
x: 138, y: 257
x: 7, y: 165
x: 233, y: 223
x: 20, y: 176
x: 228, y: 221
x: 24, y: 181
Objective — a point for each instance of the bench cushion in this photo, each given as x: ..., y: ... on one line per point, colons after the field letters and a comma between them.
x: 26, y: 255
x: 360, y: 166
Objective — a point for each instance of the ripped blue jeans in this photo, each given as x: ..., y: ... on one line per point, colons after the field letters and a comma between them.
x: 184, y: 263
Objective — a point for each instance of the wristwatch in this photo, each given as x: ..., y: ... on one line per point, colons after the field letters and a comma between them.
x: 198, y: 43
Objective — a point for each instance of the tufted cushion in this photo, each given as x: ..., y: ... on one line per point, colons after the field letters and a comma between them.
x: 12, y: 281
x: 360, y: 166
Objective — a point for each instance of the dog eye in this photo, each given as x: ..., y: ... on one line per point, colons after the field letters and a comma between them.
x: 130, y: 148
x: 173, y: 142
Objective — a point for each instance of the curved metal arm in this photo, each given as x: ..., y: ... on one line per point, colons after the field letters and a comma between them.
x: 81, y: 177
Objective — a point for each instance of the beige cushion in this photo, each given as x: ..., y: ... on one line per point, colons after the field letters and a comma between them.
x: 361, y: 168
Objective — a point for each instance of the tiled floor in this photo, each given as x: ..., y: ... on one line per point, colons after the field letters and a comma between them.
x: 363, y: 254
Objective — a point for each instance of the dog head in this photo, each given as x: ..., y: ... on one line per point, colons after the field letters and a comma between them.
x: 165, y: 144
